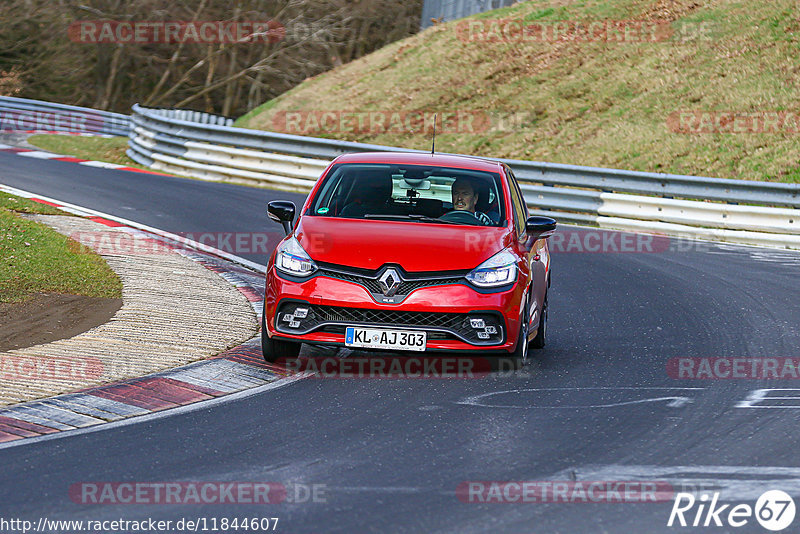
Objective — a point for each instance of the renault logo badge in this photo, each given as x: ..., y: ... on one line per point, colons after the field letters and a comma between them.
x: 390, y: 282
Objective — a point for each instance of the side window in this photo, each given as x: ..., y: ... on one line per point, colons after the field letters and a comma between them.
x: 518, y: 202
x: 329, y: 193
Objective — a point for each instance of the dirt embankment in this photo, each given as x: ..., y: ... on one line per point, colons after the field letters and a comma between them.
x: 49, y: 317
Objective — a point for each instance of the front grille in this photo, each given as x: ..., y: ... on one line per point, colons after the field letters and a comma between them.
x: 335, y: 318
x: 386, y: 317
x: 372, y: 285
x: 369, y: 280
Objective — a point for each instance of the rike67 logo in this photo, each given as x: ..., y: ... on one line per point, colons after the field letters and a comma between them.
x: 774, y: 510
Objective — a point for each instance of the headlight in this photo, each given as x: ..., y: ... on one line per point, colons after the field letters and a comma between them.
x: 292, y: 259
x: 499, y: 270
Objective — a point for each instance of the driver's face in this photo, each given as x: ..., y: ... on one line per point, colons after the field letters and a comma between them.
x: 464, y: 198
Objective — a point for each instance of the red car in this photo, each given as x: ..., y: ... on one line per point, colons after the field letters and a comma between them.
x: 409, y: 252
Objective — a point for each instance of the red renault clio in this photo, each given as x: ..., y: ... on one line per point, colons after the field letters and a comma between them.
x: 409, y: 252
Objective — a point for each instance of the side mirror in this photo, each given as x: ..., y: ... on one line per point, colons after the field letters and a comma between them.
x: 282, y: 211
x: 540, y: 227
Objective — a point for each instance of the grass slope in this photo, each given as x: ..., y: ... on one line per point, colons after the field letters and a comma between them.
x: 588, y: 103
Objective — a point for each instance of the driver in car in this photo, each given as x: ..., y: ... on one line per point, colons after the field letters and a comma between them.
x: 465, y: 196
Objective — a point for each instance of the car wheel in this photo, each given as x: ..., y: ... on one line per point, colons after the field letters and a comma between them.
x: 520, y: 355
x: 277, y: 349
x: 541, y: 336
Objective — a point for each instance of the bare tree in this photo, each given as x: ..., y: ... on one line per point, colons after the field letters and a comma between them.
x: 229, y: 78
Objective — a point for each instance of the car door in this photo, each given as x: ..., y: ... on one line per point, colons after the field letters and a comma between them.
x: 535, y: 252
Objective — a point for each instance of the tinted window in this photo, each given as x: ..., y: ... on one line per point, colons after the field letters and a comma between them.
x: 518, y: 201
x: 412, y: 193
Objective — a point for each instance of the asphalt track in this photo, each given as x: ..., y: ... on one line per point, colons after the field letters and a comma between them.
x: 597, y: 404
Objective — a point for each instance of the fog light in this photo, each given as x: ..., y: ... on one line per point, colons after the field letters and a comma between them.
x: 477, y: 323
x: 301, y: 313
x: 483, y: 335
x: 287, y: 318
x: 490, y: 330
x: 294, y: 324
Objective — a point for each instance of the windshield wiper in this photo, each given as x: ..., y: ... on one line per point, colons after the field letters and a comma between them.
x: 410, y: 217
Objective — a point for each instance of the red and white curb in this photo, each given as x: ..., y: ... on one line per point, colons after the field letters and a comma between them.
x: 41, y: 154
x: 232, y: 373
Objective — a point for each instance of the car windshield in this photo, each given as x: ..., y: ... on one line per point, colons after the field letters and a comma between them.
x: 413, y: 193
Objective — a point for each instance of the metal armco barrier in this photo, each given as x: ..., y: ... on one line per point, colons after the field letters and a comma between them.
x: 22, y: 114
x: 447, y: 10
x: 739, y: 211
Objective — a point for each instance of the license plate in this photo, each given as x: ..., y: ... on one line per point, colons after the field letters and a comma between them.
x: 373, y: 338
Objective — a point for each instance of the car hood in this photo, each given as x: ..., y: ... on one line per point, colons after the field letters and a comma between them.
x: 414, y: 246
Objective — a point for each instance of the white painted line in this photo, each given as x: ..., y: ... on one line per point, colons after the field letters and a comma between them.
x: 18, y: 192
x: 101, y: 164
x: 38, y: 154
x: 731, y: 481
x: 87, y: 212
x: 763, y: 395
x: 673, y: 401
x: 202, y: 405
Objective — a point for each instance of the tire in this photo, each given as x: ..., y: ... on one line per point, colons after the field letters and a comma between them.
x: 520, y: 354
x: 541, y: 336
x: 277, y: 349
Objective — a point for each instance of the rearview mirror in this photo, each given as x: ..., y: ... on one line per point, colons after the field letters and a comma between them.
x: 422, y: 185
x: 282, y: 211
x: 540, y: 227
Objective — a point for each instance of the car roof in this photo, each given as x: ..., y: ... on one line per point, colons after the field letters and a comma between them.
x: 422, y: 158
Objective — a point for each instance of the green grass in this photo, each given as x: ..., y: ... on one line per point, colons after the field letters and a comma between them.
x: 36, y: 259
x: 588, y: 103
x: 23, y: 205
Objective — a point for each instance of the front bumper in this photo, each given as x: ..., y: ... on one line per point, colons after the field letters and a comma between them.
x: 456, y: 317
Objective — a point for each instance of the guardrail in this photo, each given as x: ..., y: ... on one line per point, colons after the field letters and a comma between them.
x: 22, y: 114
x: 190, y: 116
x: 447, y: 10
x: 739, y: 211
